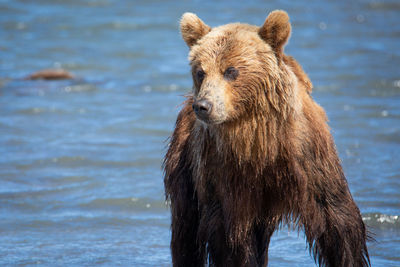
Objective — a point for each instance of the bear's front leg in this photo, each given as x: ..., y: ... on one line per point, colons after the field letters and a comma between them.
x: 186, y: 251
x: 261, y: 238
x: 249, y: 252
x: 335, y: 232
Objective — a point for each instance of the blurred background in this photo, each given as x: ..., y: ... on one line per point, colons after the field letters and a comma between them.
x: 80, y: 160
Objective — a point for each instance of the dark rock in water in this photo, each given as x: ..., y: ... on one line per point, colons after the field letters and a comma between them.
x: 51, y: 74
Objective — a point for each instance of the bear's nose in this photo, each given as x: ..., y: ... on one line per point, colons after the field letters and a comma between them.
x: 202, y: 107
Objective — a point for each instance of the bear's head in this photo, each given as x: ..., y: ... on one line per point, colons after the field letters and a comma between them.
x: 238, y: 69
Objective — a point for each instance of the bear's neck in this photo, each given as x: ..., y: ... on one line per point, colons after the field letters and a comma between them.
x: 247, y: 144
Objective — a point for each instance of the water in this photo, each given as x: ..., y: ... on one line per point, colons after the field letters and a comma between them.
x: 80, y: 176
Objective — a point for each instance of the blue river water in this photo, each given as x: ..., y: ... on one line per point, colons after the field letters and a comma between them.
x: 80, y: 160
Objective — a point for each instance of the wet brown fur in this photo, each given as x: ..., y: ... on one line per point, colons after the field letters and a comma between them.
x: 272, y: 161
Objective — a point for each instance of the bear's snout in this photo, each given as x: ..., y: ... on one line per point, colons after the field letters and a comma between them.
x: 202, y: 108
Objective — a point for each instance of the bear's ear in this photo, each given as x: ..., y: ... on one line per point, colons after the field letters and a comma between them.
x: 193, y: 28
x: 276, y: 30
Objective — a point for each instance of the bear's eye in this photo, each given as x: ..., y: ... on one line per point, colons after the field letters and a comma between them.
x: 231, y: 74
x: 200, y: 75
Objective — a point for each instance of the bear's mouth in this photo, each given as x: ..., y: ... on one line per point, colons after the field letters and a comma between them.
x: 209, y: 120
x: 204, y: 118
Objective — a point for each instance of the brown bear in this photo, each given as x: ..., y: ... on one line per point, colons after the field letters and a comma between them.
x: 251, y: 151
